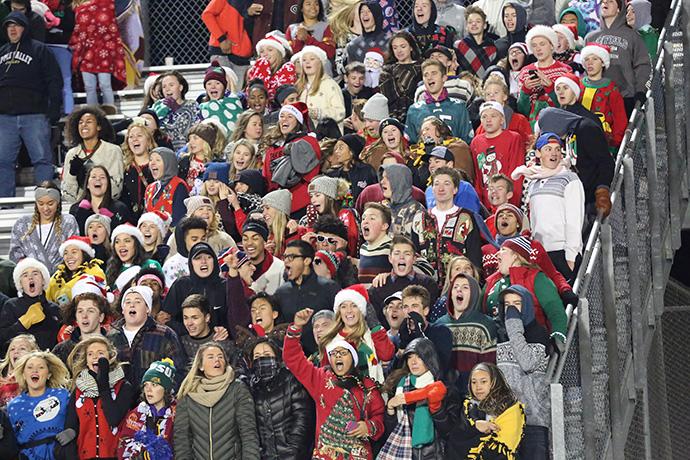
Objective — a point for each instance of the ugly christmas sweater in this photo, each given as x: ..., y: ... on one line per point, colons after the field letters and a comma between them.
x: 603, y: 98
x: 272, y: 80
x: 530, y: 102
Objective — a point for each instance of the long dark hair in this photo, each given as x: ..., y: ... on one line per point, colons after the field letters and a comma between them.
x: 300, y: 17
x: 107, y: 133
x: 415, y: 54
x: 115, y: 264
x: 108, y: 197
x: 500, y: 397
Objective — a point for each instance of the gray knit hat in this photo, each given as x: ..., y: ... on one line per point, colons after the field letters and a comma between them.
x: 376, y: 107
x: 101, y: 219
x: 326, y: 185
x: 279, y: 199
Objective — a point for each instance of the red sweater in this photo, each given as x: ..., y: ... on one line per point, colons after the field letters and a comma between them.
x: 603, y: 98
x: 96, y: 438
x: 509, y: 154
x: 518, y: 124
x: 335, y: 406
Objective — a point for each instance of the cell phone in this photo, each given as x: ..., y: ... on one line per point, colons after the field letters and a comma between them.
x: 533, y: 74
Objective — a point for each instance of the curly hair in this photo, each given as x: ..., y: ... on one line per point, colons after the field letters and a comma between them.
x: 127, y: 155
x: 68, y: 311
x: 106, y: 133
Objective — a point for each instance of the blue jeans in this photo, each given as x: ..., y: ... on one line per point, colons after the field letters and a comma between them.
x: 34, y: 130
x: 63, y: 56
x: 534, y: 444
x: 94, y: 80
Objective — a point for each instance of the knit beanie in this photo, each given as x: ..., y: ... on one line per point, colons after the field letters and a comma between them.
x: 331, y: 260
x: 205, y: 131
x: 101, y: 219
x: 571, y: 81
x: 326, y: 185
x: 339, y: 342
x: 144, y: 291
x: 256, y: 226
x: 160, y: 219
x: 127, y: 229
x: 81, y: 242
x: 376, y: 108
x: 280, y: 199
x: 219, y: 171
x: 355, y: 143
x: 161, y: 373
x: 521, y: 46
x: 26, y: 264
x: 193, y: 203
x: 356, y: 294
x: 600, y: 51
x: 391, y: 121
x: 541, y: 31
x: 520, y: 244
x: 216, y: 72
x: 283, y: 92
x: 514, y: 210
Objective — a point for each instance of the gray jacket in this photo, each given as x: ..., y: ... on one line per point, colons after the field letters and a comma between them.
x: 22, y: 246
x: 224, y: 431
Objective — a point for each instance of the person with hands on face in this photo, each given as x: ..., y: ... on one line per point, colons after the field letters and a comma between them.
x: 349, y: 409
x: 176, y: 114
x: 312, y: 29
x: 489, y: 422
x: 190, y: 231
x: 417, y: 391
x: 101, y: 397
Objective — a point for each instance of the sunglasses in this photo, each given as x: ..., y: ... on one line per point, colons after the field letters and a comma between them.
x: 329, y: 239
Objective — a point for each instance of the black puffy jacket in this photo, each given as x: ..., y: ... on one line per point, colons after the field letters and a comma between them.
x: 284, y: 416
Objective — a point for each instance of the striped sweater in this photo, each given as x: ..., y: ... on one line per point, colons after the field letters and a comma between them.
x: 374, y: 260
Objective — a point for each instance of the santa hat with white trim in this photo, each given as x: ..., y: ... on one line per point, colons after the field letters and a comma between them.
x: 541, y: 31
x: 127, y: 229
x: 600, y: 51
x: 571, y: 81
x: 277, y: 40
x: 24, y: 265
x: 160, y: 219
x: 567, y: 33
x: 316, y: 51
x: 81, y: 242
x: 339, y: 342
x: 356, y: 294
x: 299, y: 110
x: 91, y: 284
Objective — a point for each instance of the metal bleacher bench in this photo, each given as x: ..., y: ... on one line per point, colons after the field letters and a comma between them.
x: 128, y: 103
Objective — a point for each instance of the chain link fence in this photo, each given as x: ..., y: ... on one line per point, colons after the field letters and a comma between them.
x: 625, y: 368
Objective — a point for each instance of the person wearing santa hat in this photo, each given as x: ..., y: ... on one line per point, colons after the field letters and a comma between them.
x: 601, y: 95
x: 141, y: 341
x: 154, y: 227
x: 30, y: 312
x: 568, y: 92
x: 401, y: 74
x: 351, y: 410
x: 537, y: 79
x: 318, y: 90
x: 272, y: 67
x: 128, y: 256
x: 292, y: 161
x: 79, y: 259
x: 566, y: 51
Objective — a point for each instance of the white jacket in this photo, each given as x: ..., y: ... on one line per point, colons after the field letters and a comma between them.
x: 108, y: 155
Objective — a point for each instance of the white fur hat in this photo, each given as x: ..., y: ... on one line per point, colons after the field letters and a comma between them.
x: 541, y: 31
x: 599, y: 51
x: 318, y: 52
x: 356, y: 294
x: 25, y: 264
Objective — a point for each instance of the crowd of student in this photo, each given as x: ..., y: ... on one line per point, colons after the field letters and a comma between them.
x: 357, y: 243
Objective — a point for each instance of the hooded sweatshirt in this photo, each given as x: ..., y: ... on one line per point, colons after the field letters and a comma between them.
x: 30, y: 79
x: 630, y: 66
x: 582, y: 28
x: 37, y: 24
x: 520, y: 32
x: 451, y: 14
x: 474, y: 336
x: 432, y: 34
x: 522, y: 356
x: 169, y: 192
x: 212, y: 287
x: 403, y: 206
x: 593, y: 163
x: 377, y: 38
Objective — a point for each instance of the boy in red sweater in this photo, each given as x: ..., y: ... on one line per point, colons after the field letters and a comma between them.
x: 601, y: 95
x: 495, y: 151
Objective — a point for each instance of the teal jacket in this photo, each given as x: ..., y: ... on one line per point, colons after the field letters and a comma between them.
x: 452, y: 111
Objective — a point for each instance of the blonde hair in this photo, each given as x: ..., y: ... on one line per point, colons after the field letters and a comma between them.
x: 303, y: 80
x: 58, y: 375
x: 128, y: 156
x: 242, y: 123
x: 498, y: 81
x: 277, y: 227
x: 6, y: 365
x: 76, y: 360
x: 449, y: 269
x: 193, y: 378
x: 36, y: 217
x: 206, y: 151
x: 254, y: 164
x: 342, y: 18
x: 356, y: 337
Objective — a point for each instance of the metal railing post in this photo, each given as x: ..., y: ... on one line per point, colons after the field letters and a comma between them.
x: 674, y: 172
x: 586, y: 380
x: 557, y: 422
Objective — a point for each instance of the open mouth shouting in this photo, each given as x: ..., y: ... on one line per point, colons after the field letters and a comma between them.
x: 365, y: 230
x: 35, y: 377
x: 124, y: 253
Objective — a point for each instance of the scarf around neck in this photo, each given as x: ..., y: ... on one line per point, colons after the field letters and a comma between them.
x: 208, y: 392
x: 429, y: 99
x: 86, y: 383
x: 422, y: 425
x: 537, y: 172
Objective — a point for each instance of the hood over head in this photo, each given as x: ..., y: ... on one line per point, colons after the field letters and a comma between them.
x: 203, y: 248
x: 533, y: 331
x: 377, y: 12
x: 581, y: 24
x: 169, y: 164
x: 431, y: 25
x: 400, y: 179
x: 426, y: 350
x: 558, y: 121
x: 527, y: 302
x: 254, y: 179
x: 520, y: 16
x: 475, y: 295
x: 19, y: 18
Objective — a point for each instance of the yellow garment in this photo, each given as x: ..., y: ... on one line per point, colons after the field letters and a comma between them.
x: 507, y: 439
x: 60, y: 289
x: 33, y: 315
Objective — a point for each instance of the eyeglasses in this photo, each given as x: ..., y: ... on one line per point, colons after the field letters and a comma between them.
x: 338, y: 353
x: 329, y: 239
x: 291, y: 257
x: 317, y: 261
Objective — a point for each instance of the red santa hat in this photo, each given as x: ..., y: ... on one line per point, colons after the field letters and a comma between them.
x: 299, y: 110
x: 356, y: 294
x: 160, y: 219
x: 567, y: 32
x: 541, y: 31
x: 81, y: 242
x: 571, y: 81
x: 276, y: 40
x: 376, y: 54
x: 600, y: 51
x: 91, y: 284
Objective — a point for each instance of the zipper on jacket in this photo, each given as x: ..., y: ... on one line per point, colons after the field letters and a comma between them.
x: 210, y: 431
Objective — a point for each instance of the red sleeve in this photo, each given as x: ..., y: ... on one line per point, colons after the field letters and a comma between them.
x: 328, y: 44
x: 293, y: 355
x: 620, y: 116
x: 375, y: 414
x: 385, y: 350
x: 210, y: 18
x: 478, y: 183
x: 546, y: 265
x: 240, y: 219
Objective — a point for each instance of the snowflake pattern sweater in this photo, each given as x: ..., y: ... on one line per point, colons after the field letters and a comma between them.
x: 272, y: 80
